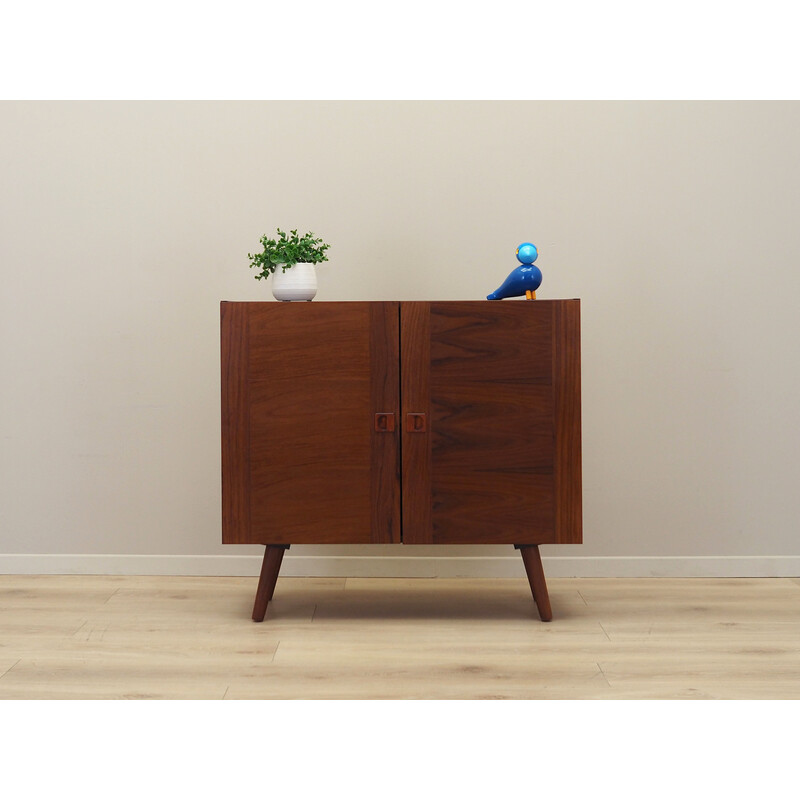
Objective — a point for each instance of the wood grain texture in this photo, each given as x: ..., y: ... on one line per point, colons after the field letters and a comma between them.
x: 532, y: 560
x: 567, y: 397
x: 385, y: 465
x: 415, y: 399
x: 513, y: 337
x: 494, y: 457
x: 317, y: 471
x: 492, y: 422
x: 270, y: 567
x: 119, y: 636
x: 235, y: 423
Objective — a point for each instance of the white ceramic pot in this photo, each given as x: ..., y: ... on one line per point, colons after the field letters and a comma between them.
x: 297, y: 283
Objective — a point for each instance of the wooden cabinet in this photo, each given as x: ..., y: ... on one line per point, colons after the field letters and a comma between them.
x: 414, y: 422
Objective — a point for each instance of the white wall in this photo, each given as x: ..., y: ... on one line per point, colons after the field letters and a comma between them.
x: 123, y: 224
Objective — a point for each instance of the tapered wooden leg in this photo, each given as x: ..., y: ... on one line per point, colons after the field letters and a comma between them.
x: 533, y: 566
x: 270, y: 568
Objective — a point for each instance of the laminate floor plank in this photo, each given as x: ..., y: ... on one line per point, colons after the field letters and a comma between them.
x: 60, y: 678
x: 109, y: 637
x: 6, y: 664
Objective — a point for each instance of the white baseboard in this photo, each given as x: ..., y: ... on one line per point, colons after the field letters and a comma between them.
x: 407, y: 567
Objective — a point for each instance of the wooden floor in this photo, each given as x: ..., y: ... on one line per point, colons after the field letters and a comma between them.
x: 185, y: 637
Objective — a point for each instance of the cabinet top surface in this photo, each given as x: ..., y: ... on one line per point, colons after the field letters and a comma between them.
x: 438, y: 302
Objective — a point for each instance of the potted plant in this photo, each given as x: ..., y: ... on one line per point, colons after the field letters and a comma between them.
x: 296, y: 256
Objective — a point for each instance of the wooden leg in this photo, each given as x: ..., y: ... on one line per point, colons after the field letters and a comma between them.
x: 533, y: 566
x: 269, y: 576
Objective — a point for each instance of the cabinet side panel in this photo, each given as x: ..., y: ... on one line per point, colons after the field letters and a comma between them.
x: 235, y: 435
x: 567, y: 386
x: 416, y: 444
x: 384, y: 356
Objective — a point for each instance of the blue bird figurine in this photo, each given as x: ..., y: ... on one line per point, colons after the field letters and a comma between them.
x: 525, y: 279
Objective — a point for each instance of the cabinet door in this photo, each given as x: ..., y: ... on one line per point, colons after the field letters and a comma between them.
x: 491, y: 422
x: 304, y: 457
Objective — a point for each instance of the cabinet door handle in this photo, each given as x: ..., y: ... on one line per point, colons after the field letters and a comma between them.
x: 416, y: 423
x: 384, y: 422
